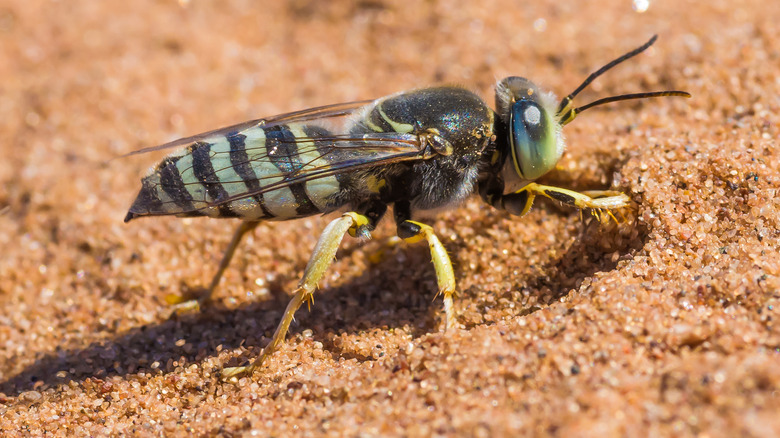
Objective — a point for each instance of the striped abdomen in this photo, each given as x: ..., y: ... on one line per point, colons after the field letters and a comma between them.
x: 240, y: 175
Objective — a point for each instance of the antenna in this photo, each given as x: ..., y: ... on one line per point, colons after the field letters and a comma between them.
x: 566, y: 110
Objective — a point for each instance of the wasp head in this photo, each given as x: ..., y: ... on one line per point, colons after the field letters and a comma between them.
x: 535, y: 137
x: 534, y: 121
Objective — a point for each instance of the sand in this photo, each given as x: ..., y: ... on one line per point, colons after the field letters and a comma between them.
x: 663, y: 325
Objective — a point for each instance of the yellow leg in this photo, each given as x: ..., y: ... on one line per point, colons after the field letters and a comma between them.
x: 194, y: 304
x: 413, y: 232
x: 319, y: 262
x: 599, y: 201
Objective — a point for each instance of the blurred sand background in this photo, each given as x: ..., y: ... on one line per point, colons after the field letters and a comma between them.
x: 664, y: 325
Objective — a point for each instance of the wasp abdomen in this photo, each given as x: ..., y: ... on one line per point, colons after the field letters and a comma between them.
x: 243, y: 175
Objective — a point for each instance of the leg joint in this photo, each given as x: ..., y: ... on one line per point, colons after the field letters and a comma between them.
x: 411, y: 231
x: 360, y: 225
x: 518, y: 203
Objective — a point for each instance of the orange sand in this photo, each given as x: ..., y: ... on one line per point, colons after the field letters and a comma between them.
x: 664, y: 325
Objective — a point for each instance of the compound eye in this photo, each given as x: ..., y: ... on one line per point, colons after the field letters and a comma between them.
x: 533, y: 140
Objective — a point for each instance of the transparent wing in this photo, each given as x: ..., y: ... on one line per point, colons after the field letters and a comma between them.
x: 320, y: 114
x: 327, y: 156
x: 276, y: 152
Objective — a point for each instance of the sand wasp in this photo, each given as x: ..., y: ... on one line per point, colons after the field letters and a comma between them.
x: 415, y: 150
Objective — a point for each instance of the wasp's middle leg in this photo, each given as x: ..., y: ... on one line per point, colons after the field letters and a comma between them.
x: 324, y: 252
x: 413, y: 232
x: 205, y: 296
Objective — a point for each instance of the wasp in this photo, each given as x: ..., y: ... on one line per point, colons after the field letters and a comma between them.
x: 415, y: 150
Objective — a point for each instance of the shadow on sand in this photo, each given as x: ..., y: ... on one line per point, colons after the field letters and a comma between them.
x: 363, y: 303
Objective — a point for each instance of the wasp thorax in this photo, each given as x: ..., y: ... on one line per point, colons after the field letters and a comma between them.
x: 535, y: 140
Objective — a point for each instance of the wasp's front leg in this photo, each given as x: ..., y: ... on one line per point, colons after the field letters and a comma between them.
x: 598, y: 201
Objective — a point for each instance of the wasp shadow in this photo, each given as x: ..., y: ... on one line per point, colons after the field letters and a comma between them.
x: 396, y: 292
x: 368, y: 301
x: 598, y: 247
x: 595, y: 250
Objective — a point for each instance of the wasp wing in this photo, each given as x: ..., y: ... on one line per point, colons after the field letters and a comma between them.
x: 220, y: 172
x: 322, y: 113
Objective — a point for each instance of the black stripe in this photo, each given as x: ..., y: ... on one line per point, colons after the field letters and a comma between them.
x: 281, y: 148
x: 305, y: 205
x: 376, y: 118
x: 204, y: 171
x: 172, y: 184
x: 240, y: 162
x: 147, y: 202
x: 148, y: 197
x: 563, y: 197
x: 282, y: 151
x: 330, y: 154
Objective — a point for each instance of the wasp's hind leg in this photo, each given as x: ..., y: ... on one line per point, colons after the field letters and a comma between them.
x: 413, y: 232
x: 186, y: 304
x: 324, y: 252
x: 600, y: 202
